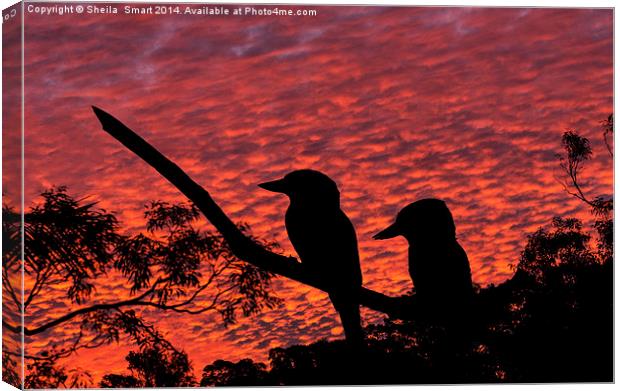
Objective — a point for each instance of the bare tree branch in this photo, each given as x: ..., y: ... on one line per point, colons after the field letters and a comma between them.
x: 242, y: 246
x: 97, y: 307
x: 6, y: 283
x: 40, y: 281
x: 10, y: 327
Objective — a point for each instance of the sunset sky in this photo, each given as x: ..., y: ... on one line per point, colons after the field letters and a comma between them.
x: 395, y: 104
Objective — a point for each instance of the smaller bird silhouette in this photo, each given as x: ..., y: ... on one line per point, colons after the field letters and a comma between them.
x: 325, y: 240
x: 438, y: 265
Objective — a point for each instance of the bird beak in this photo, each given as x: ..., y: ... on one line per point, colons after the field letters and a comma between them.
x: 390, y: 232
x: 278, y: 186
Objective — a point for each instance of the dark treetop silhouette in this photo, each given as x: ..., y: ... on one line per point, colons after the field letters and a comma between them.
x: 243, y: 247
x: 325, y: 241
x: 438, y: 265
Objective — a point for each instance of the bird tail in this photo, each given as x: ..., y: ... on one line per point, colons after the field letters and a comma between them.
x: 349, y: 311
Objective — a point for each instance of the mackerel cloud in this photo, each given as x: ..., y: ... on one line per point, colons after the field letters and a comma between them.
x: 396, y: 104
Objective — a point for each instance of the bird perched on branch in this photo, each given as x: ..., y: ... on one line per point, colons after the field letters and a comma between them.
x: 325, y: 240
x: 438, y: 265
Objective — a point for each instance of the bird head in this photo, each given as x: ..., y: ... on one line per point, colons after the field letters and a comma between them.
x: 307, y: 186
x: 427, y: 219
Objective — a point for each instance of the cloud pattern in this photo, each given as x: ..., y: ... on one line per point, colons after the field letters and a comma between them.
x: 396, y: 104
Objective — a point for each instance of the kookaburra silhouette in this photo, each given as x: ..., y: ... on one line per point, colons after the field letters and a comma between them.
x: 325, y: 240
x: 438, y: 265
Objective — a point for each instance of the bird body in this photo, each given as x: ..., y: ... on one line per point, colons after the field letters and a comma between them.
x: 438, y: 265
x: 326, y: 242
x: 441, y: 274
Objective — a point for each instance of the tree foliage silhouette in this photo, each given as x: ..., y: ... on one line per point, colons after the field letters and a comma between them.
x: 242, y: 373
x: 551, y: 322
x: 173, y: 266
x: 155, y: 365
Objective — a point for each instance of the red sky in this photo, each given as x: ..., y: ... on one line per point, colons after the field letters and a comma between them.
x: 395, y: 104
